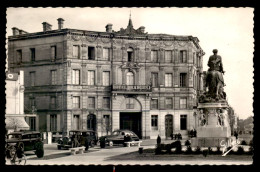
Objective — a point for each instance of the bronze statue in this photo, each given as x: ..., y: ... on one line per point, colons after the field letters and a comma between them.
x: 214, y: 80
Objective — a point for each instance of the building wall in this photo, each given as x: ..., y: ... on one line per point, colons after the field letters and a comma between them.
x: 118, y: 66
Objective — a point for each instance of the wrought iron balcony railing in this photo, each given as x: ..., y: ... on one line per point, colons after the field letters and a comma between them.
x: 137, y: 88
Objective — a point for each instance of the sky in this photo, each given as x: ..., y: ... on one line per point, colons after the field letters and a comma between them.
x: 230, y: 30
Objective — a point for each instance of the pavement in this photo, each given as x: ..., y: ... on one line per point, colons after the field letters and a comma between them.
x: 98, y: 156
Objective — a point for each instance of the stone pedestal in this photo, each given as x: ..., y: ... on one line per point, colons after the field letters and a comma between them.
x: 213, y: 125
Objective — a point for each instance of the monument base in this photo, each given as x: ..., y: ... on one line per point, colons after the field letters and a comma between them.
x: 213, y: 132
x: 209, y: 142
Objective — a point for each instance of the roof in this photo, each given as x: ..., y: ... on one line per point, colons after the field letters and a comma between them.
x: 25, y: 132
x: 81, y: 130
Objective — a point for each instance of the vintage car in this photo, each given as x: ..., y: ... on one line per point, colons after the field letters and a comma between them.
x: 81, y: 136
x: 118, y: 136
x: 31, y: 141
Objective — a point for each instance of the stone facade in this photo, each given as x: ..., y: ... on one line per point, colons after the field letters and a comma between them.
x: 90, y: 80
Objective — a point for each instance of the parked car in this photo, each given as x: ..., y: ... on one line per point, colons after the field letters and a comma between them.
x: 31, y: 141
x: 82, y: 136
x: 117, y: 137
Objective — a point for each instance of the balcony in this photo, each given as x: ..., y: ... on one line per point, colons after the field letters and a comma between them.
x: 134, y: 89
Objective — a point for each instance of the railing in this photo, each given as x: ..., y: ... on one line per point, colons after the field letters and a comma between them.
x: 146, y: 88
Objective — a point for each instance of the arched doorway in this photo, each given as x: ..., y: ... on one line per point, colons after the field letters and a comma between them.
x: 91, y: 122
x: 168, y: 125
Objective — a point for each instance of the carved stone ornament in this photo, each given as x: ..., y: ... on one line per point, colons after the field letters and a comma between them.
x: 76, y: 37
x: 167, y: 43
x: 181, y: 43
x: 154, y: 43
x: 105, y: 40
x: 91, y: 38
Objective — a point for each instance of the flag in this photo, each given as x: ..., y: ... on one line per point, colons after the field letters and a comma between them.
x: 114, y: 170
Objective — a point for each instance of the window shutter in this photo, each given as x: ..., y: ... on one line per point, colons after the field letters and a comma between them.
x: 177, y: 102
x: 84, y: 52
x: 48, y: 122
x: 162, y: 103
x: 58, y: 122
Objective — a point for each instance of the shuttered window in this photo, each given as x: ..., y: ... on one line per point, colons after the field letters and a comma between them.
x: 168, y: 80
x: 76, y: 51
x: 154, y: 55
x: 91, y: 77
x: 106, y: 78
x: 76, y: 77
x: 168, y: 56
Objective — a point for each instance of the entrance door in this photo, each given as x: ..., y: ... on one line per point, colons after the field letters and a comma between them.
x: 168, y: 125
x: 131, y: 121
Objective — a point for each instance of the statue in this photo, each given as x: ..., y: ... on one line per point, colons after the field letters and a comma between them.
x: 214, y: 77
x: 214, y: 80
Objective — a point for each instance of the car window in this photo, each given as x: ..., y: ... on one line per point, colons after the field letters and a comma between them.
x: 13, y: 136
x: 34, y: 136
x: 27, y: 136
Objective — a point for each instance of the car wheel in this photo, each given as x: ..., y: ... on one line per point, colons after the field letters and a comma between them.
x: 92, y: 143
x: 59, y: 147
x: 110, y: 143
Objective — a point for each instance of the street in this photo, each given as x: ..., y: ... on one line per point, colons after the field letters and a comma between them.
x: 107, y: 156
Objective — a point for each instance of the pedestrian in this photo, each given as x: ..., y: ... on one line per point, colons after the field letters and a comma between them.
x: 176, y: 136
x: 172, y: 136
x: 158, y: 140
x: 236, y: 135
x: 195, y: 133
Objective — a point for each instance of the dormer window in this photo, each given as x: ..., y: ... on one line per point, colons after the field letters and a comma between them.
x: 130, y: 54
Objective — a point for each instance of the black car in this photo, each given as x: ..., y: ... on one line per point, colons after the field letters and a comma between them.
x: 118, y: 137
x: 81, y: 136
x: 30, y: 141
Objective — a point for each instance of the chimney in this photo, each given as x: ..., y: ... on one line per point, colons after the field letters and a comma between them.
x: 109, y: 27
x: 60, y: 23
x: 15, y: 31
x: 46, y: 26
x: 142, y: 29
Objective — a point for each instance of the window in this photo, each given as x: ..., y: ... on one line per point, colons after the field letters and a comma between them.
x: 32, y: 78
x: 75, y: 76
x: 183, y: 103
x: 53, y: 122
x: 53, y: 77
x: 129, y: 103
x: 32, y: 54
x: 53, y: 103
x: 75, y: 52
x: 106, y: 102
x: 129, y: 78
x: 32, y: 103
x: 183, y: 79
x: 19, y: 56
x: 168, y: 103
x: 154, y: 79
x: 106, y: 78
x: 76, y: 122
x: 106, y: 53
x: 183, y: 57
x: 154, y: 104
x: 32, y: 123
x: 53, y: 53
x: 154, y: 56
x: 168, y: 56
x: 91, y: 53
x: 130, y: 54
x: 168, y: 80
x: 91, y: 77
x: 91, y: 122
x: 154, y: 121
x: 91, y: 102
x: 183, y: 122
x: 76, y: 102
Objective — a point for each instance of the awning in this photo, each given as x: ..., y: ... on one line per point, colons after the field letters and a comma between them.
x: 16, y: 122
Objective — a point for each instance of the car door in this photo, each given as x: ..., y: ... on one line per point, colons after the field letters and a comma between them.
x: 121, y: 137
